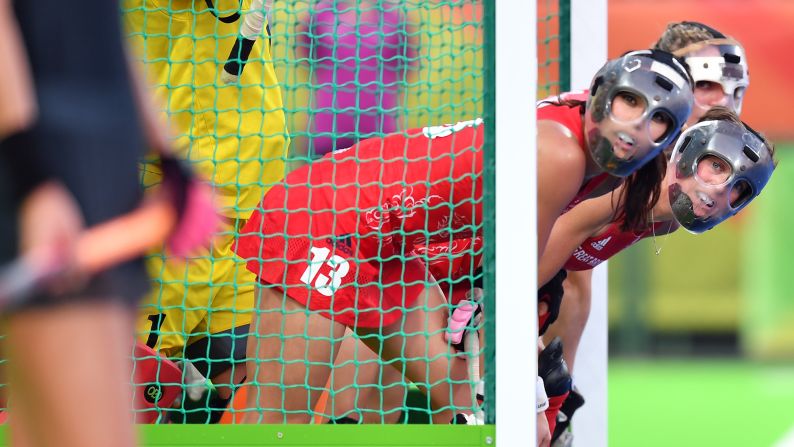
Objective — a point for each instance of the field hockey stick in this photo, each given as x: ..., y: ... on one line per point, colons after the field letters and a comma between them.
x: 96, y: 249
x: 471, y: 343
x: 250, y: 30
x: 471, y: 346
x: 462, y: 326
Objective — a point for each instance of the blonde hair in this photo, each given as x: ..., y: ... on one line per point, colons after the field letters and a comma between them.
x: 679, y: 35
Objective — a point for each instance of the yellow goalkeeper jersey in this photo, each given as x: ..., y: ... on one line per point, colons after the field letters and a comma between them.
x: 234, y: 134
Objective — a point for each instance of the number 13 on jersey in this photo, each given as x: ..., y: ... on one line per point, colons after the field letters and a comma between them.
x: 324, y: 284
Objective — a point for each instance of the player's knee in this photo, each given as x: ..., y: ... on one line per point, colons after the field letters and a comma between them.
x: 221, y: 356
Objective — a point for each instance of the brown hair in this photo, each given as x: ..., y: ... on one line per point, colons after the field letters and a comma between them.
x: 720, y: 113
x: 560, y: 101
x: 640, y: 192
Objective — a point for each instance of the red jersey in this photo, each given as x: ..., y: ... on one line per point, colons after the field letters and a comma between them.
x: 451, y: 263
x: 338, y: 234
x: 598, y: 249
x: 571, y: 118
x: 452, y: 260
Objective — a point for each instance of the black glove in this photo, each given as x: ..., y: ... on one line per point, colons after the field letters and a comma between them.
x: 553, y: 369
x: 551, y: 293
x: 177, y: 178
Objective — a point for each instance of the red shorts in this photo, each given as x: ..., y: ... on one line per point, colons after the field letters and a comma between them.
x: 452, y: 264
x: 329, y: 270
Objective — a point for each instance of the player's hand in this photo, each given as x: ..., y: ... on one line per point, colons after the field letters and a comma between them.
x: 544, y: 435
x: 549, y: 301
x: 50, y: 223
x: 467, y: 315
x: 197, y: 219
x: 553, y: 369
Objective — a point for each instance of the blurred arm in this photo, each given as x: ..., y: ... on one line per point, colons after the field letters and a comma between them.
x: 17, y: 104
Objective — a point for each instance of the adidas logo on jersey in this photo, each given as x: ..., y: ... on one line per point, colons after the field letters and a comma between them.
x: 599, y: 245
x: 342, y: 243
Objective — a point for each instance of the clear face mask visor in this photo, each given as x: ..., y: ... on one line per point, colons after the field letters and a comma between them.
x: 716, y: 179
x: 635, y: 129
x: 722, y: 64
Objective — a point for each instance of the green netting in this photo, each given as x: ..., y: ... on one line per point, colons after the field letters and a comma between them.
x: 553, y: 47
x: 322, y: 76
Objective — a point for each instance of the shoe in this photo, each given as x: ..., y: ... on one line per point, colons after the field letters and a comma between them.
x: 343, y: 420
x: 466, y: 419
x: 564, y: 440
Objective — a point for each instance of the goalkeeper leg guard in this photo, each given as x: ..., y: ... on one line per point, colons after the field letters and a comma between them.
x: 217, y: 407
x: 212, y: 356
x: 208, y: 409
x: 157, y: 383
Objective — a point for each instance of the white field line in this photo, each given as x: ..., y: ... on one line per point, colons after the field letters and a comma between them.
x: 787, y: 440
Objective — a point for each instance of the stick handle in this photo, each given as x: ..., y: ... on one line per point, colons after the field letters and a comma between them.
x: 97, y: 249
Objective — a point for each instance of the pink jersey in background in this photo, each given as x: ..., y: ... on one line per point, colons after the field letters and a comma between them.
x: 359, y: 54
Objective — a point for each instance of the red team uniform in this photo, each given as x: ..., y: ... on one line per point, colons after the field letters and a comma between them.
x: 338, y: 235
x: 598, y: 249
x: 454, y: 260
x: 349, y: 235
x: 358, y: 234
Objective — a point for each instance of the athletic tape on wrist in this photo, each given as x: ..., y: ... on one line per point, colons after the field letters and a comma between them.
x: 542, y: 401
